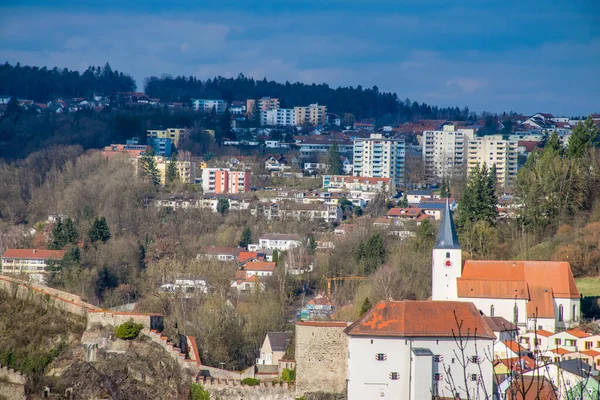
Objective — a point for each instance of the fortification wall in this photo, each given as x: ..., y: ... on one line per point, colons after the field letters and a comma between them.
x: 12, y: 384
x: 321, y: 357
x: 115, y: 318
x: 234, y: 390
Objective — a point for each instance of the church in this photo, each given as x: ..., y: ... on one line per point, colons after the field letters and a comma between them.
x: 531, y: 294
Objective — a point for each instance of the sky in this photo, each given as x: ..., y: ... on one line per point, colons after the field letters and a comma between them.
x: 525, y: 56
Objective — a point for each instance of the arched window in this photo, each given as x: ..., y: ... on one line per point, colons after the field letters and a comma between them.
x: 492, y: 310
x: 574, y: 312
x: 448, y: 255
x: 516, y: 315
x: 561, y: 313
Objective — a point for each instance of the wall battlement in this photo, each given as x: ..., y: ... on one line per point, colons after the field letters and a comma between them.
x: 11, y: 376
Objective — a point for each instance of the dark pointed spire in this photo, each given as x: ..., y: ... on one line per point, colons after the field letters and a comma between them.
x: 447, y: 237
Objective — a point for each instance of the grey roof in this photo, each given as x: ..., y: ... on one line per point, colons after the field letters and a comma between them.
x: 447, y: 237
x: 422, y: 351
x: 279, y: 340
x: 427, y: 192
x: 576, y: 366
x: 499, y: 324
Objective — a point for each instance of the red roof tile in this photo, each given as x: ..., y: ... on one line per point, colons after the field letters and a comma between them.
x: 421, y: 318
x: 259, y: 266
x: 34, y: 254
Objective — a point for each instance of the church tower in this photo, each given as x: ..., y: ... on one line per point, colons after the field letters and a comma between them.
x: 447, y: 260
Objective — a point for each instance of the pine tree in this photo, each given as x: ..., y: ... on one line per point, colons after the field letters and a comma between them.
x: 365, y: 307
x: 312, y: 245
x: 479, y: 201
x: 222, y: 206
x: 172, y: 173
x: 70, y: 231
x: 58, y: 236
x: 335, y: 163
x: 553, y: 145
x: 246, y: 238
x: 445, y: 188
x: 100, y: 232
x: 150, y: 169
x: 105, y: 280
x: 583, y: 137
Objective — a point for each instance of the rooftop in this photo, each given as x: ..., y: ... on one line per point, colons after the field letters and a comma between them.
x: 34, y: 254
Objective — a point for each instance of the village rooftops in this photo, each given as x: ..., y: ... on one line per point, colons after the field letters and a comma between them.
x: 34, y: 254
x: 259, y: 266
x: 421, y: 319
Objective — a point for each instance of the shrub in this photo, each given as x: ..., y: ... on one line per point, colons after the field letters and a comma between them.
x: 128, y: 330
x: 250, y: 381
x: 288, y: 375
x: 197, y: 392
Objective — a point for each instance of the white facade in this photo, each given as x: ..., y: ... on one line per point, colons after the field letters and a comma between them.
x: 379, y: 157
x: 207, y: 105
x: 278, y: 242
x: 420, y: 365
x: 447, y: 264
x: 278, y: 117
x: 445, y: 151
x: 492, y: 150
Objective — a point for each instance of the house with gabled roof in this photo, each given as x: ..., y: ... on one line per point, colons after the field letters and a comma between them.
x: 274, y: 347
x: 408, y: 350
x: 531, y: 294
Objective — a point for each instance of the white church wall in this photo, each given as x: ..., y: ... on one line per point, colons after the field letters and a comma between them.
x: 502, y: 308
x: 569, y: 319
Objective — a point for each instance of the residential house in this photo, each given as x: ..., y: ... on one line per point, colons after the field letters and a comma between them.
x: 503, y: 330
x: 571, y: 378
x: 279, y: 241
x: 30, y: 261
x: 219, y: 253
x: 225, y: 180
x: 243, y: 284
x: 371, y: 185
x: 415, y: 196
x: 408, y: 350
x: 185, y: 286
x: 317, y: 308
x: 274, y: 347
x: 207, y: 105
x: 279, y: 164
x: 259, y: 268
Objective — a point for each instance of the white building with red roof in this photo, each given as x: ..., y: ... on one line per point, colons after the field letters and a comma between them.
x: 30, y: 261
x: 531, y: 294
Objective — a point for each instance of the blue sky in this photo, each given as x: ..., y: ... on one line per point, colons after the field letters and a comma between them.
x: 495, y: 55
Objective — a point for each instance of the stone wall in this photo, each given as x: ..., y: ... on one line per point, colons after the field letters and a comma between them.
x: 12, y: 384
x: 233, y: 390
x: 115, y: 318
x: 321, y: 357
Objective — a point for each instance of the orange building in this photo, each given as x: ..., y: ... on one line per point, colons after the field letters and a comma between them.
x: 224, y: 180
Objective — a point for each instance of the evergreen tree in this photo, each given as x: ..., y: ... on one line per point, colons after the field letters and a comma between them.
x: 222, y: 206
x: 256, y: 114
x: 275, y: 256
x: 583, y: 137
x: 100, y: 232
x: 106, y: 280
x: 150, y: 169
x: 403, y: 202
x: 70, y: 231
x: 479, y: 199
x: 172, y: 173
x: 58, y: 236
x: 312, y: 245
x: 445, y: 188
x: 553, y: 145
x: 371, y: 254
x: 142, y: 253
x: 334, y: 159
x: 246, y: 238
x: 365, y: 307
x: 425, y: 235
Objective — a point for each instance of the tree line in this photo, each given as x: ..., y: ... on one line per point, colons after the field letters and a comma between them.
x: 43, y: 84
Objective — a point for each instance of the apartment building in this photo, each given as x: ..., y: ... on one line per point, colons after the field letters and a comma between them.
x: 30, y: 261
x: 445, y: 151
x: 264, y: 104
x: 314, y: 114
x: 493, y: 150
x: 132, y: 150
x: 224, y: 180
x: 278, y: 117
x: 186, y: 170
x: 161, y: 146
x: 379, y: 157
x: 174, y: 134
x: 207, y: 105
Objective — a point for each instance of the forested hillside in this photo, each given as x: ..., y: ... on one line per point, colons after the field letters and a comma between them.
x: 359, y: 101
x: 43, y: 84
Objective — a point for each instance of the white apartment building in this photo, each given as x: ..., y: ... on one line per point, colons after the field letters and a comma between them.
x: 408, y: 350
x: 492, y: 150
x: 278, y: 117
x: 445, y: 151
x: 279, y: 241
x: 206, y: 105
x: 379, y: 157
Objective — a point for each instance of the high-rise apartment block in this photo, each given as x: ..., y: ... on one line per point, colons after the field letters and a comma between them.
x: 445, y: 151
x: 224, y: 180
x: 314, y: 114
x: 493, y: 150
x: 174, y: 134
x: 278, y: 117
x: 379, y: 157
x: 262, y: 104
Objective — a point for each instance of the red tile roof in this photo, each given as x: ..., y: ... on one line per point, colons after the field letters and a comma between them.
x: 34, y: 254
x: 560, y: 351
x: 249, y: 255
x: 421, y: 318
x: 513, y: 346
x: 578, y: 333
x: 404, y: 212
x: 591, y: 353
x: 259, y: 266
x: 544, y: 333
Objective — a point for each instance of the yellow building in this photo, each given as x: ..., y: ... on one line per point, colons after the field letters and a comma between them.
x: 170, y: 133
x: 493, y: 150
x: 185, y: 169
x: 314, y: 114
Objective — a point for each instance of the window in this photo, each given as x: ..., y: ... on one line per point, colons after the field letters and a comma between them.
x: 475, y: 359
x: 438, y: 358
x: 538, y: 342
x: 492, y: 310
x: 574, y: 312
x: 438, y: 377
x: 588, y: 345
x: 394, y: 376
x: 516, y: 315
x: 473, y: 377
x: 557, y: 341
x: 448, y: 255
x: 380, y: 357
x: 560, y: 313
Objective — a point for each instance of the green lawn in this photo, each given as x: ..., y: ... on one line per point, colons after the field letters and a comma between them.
x: 588, y: 286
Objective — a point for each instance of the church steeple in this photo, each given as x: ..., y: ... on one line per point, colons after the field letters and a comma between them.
x: 447, y: 237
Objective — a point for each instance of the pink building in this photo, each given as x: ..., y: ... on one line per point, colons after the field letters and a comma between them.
x: 224, y: 180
